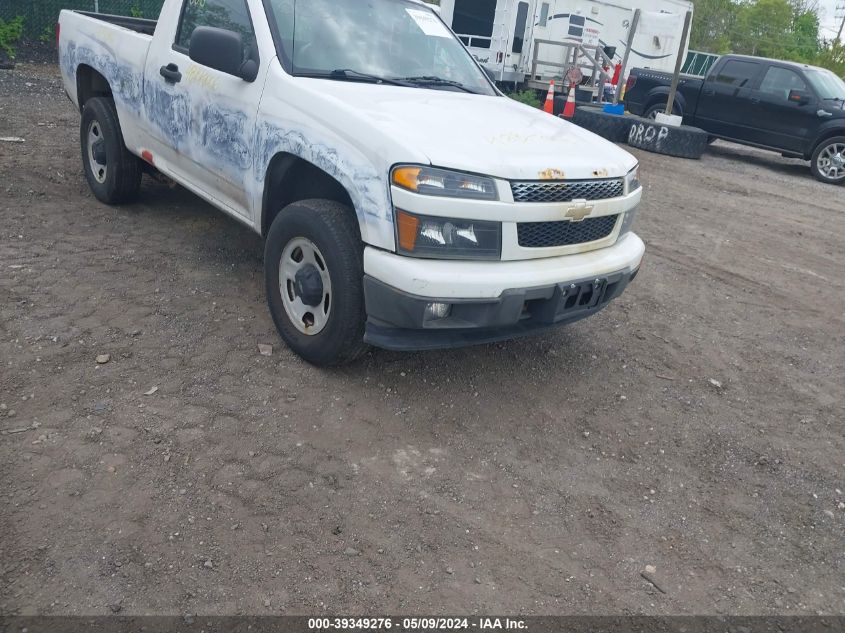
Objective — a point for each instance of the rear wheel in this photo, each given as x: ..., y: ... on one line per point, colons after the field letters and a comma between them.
x: 653, y: 111
x: 112, y: 172
x: 313, y: 268
x: 828, y: 161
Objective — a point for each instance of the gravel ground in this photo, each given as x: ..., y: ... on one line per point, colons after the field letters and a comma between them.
x: 694, y: 428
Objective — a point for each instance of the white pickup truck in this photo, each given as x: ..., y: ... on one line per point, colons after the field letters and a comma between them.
x: 405, y: 201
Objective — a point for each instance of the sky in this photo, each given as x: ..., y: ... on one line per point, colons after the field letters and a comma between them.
x: 829, y: 23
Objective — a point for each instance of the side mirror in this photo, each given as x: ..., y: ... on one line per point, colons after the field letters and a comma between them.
x: 222, y: 50
x: 799, y: 97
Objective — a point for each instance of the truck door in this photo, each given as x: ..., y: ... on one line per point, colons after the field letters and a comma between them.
x: 202, y: 121
x: 787, y: 107
x: 724, y: 106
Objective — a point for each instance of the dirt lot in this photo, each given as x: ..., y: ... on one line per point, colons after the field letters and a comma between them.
x: 696, y: 425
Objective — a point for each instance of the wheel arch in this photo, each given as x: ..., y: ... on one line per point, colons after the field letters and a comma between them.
x: 90, y: 83
x: 834, y: 130
x: 291, y: 178
x: 661, y: 95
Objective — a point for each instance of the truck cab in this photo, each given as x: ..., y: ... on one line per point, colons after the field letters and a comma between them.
x: 405, y: 202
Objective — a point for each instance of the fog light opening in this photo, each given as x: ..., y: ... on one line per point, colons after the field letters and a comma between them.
x: 436, y: 311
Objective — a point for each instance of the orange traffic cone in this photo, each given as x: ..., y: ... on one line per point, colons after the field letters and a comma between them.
x: 549, y: 106
x: 569, y: 109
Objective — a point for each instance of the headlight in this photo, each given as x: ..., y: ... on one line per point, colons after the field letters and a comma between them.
x: 632, y: 181
x: 431, y: 181
x: 446, y: 238
x: 628, y: 221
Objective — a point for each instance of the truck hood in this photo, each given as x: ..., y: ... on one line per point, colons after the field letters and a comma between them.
x: 496, y: 136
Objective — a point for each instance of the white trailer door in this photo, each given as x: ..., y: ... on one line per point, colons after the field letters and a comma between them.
x: 520, y: 24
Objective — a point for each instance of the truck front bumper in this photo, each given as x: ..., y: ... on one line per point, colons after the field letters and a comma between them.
x: 415, y: 304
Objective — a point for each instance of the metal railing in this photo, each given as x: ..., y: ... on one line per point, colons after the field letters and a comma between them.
x: 592, y: 58
x: 698, y: 63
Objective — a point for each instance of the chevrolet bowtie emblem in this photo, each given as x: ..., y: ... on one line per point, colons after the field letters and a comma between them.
x: 579, y: 211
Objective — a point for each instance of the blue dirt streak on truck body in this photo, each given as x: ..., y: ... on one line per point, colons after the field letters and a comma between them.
x: 222, y: 137
x: 367, y: 189
x: 125, y: 83
x: 169, y: 111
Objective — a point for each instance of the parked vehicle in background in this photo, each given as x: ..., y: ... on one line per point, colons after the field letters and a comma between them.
x: 405, y: 201
x: 502, y: 34
x: 794, y: 109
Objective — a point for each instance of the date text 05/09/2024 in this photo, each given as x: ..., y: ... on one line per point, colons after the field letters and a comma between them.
x: 417, y: 624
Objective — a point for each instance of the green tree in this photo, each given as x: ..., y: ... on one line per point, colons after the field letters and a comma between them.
x: 763, y: 27
x: 805, y: 32
x: 10, y: 33
x: 713, y: 22
x: 783, y: 29
x: 832, y: 56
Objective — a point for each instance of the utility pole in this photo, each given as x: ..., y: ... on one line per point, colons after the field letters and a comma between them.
x: 632, y: 30
x: 842, y: 23
x: 676, y: 76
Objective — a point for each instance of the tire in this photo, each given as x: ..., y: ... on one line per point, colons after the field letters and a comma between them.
x: 326, y: 326
x: 660, y: 107
x: 828, y: 161
x: 112, y: 172
x: 610, y: 126
x: 681, y: 142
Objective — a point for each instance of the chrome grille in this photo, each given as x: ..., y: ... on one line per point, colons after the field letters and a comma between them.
x: 564, y: 233
x: 567, y: 190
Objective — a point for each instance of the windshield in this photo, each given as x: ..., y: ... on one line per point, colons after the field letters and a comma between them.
x: 366, y: 40
x: 828, y: 85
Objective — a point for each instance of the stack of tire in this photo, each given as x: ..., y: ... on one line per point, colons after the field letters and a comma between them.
x: 613, y: 127
x: 643, y: 133
x: 681, y: 141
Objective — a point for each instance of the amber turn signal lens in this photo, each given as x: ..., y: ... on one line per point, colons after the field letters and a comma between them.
x: 407, y: 177
x: 409, y: 227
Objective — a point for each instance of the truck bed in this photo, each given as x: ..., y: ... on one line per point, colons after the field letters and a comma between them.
x: 139, y: 25
x: 652, y: 86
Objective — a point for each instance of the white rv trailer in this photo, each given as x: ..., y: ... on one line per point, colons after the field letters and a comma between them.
x: 513, y: 38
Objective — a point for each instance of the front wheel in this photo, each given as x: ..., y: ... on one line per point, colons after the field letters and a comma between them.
x: 314, y: 272
x: 112, y: 172
x: 828, y: 161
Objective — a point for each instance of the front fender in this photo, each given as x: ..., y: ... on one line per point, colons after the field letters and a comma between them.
x: 833, y: 127
x: 300, y: 119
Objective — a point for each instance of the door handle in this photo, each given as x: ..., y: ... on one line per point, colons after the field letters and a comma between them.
x: 708, y: 92
x: 823, y: 113
x: 171, y: 74
x: 755, y: 100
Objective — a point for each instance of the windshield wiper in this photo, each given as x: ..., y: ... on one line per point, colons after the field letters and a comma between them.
x: 430, y: 80
x: 841, y: 99
x: 354, y: 75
